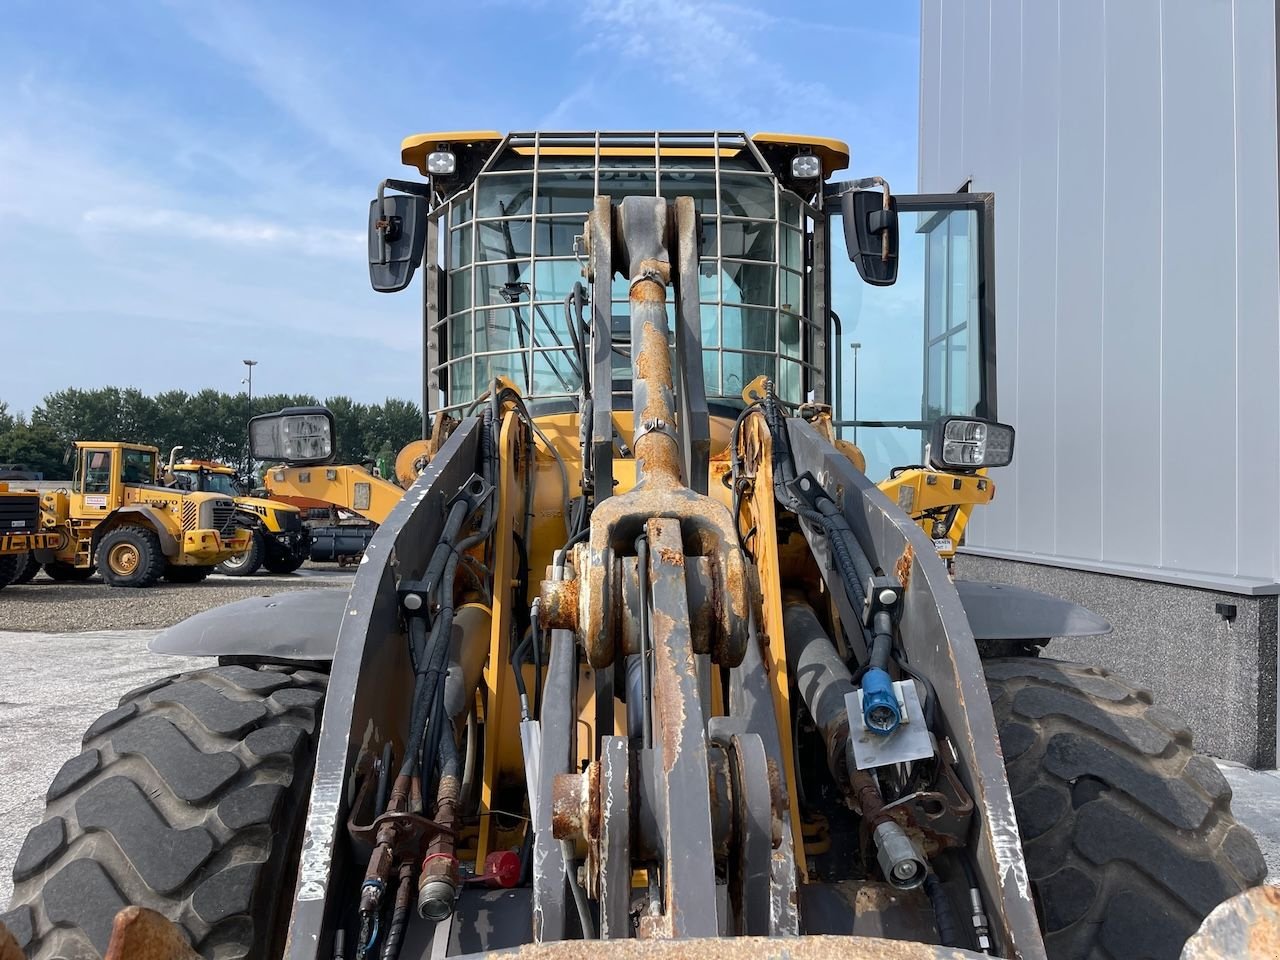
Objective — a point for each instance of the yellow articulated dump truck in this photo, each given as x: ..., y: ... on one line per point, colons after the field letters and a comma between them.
x: 278, y: 540
x: 20, y: 532
x: 118, y: 519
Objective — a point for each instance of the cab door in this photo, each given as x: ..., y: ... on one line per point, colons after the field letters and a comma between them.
x: 924, y: 347
x: 97, y: 488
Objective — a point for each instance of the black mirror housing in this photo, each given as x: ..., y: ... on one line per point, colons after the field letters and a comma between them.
x: 871, y: 235
x: 397, y: 238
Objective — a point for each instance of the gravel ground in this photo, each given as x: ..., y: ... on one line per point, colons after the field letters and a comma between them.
x: 43, y: 605
x: 56, y: 681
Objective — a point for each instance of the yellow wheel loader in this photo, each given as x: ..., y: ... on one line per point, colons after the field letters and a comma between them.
x: 20, y: 534
x: 644, y: 663
x: 119, y: 520
x: 278, y: 539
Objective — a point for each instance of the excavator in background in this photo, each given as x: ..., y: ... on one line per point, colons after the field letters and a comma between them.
x: 643, y: 653
x: 350, y: 488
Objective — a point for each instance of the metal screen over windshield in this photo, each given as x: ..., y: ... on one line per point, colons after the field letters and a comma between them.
x: 511, y: 259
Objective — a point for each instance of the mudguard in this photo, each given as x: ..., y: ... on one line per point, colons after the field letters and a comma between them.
x: 298, y: 626
x: 1002, y: 611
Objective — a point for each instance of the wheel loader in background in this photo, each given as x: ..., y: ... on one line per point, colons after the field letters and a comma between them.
x: 120, y: 521
x: 20, y: 534
x: 643, y: 654
x: 278, y: 539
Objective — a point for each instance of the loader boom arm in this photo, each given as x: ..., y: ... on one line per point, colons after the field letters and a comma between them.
x: 347, y: 486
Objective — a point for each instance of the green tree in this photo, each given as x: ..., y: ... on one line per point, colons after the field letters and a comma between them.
x: 7, y: 420
x: 38, y: 446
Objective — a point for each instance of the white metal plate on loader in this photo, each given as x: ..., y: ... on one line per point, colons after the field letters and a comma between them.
x: 911, y: 741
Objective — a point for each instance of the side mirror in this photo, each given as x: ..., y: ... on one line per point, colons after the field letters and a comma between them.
x: 397, y: 238
x: 295, y: 435
x: 871, y: 234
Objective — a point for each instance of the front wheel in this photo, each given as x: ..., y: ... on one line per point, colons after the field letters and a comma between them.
x: 130, y: 556
x: 281, y: 560
x: 189, y: 799
x: 8, y: 568
x: 28, y: 567
x: 245, y: 564
x: 1127, y: 831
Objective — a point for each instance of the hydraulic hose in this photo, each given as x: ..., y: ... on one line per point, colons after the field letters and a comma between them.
x: 944, y: 913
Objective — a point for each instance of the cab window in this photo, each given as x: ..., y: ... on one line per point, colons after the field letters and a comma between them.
x: 184, y: 480
x: 138, y: 466
x: 97, y: 471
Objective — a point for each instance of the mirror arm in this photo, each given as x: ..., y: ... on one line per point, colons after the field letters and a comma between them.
x: 866, y: 183
x: 384, y: 225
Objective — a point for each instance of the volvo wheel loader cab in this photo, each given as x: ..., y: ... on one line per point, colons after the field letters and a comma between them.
x: 278, y: 540
x: 643, y: 654
x: 119, y: 520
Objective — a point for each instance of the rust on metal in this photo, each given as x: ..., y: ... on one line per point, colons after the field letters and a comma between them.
x: 559, y: 609
x: 9, y: 949
x: 1246, y: 927
x: 141, y: 934
x: 903, y: 567
x: 734, y: 948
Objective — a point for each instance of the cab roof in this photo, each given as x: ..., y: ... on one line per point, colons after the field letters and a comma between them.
x: 414, y: 149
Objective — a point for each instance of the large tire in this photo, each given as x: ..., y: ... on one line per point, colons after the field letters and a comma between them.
x: 1128, y: 832
x: 67, y: 573
x: 189, y: 799
x: 28, y: 567
x: 130, y: 556
x: 186, y: 574
x: 279, y: 560
x: 245, y: 564
x: 8, y: 568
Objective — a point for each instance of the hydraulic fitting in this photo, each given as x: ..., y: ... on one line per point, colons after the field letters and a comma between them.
x: 900, y: 863
x: 438, y: 888
x: 880, y: 711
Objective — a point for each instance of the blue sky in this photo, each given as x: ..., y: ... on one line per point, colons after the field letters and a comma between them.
x: 184, y: 185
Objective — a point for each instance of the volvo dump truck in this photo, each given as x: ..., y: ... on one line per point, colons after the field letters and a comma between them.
x: 120, y: 521
x: 20, y: 533
x: 278, y: 539
x: 645, y: 656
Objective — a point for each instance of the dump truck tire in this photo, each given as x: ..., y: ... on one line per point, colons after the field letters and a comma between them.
x: 28, y: 567
x: 247, y: 563
x: 1127, y: 831
x: 66, y: 573
x: 8, y: 568
x: 186, y: 574
x: 189, y: 799
x: 130, y: 556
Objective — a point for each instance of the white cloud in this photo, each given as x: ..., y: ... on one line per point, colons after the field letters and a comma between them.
x: 162, y: 223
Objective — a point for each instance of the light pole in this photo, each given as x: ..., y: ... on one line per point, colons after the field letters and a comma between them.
x: 248, y: 381
x: 856, y: 348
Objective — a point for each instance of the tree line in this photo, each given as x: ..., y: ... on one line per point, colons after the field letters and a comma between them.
x: 209, y: 424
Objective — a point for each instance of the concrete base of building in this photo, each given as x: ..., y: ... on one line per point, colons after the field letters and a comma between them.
x: 1214, y: 670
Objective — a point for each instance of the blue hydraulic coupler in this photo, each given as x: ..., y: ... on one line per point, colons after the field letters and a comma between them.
x: 880, y: 710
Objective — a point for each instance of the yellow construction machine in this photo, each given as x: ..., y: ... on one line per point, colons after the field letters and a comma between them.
x: 279, y: 540
x: 20, y: 533
x: 120, y: 520
x: 643, y: 657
